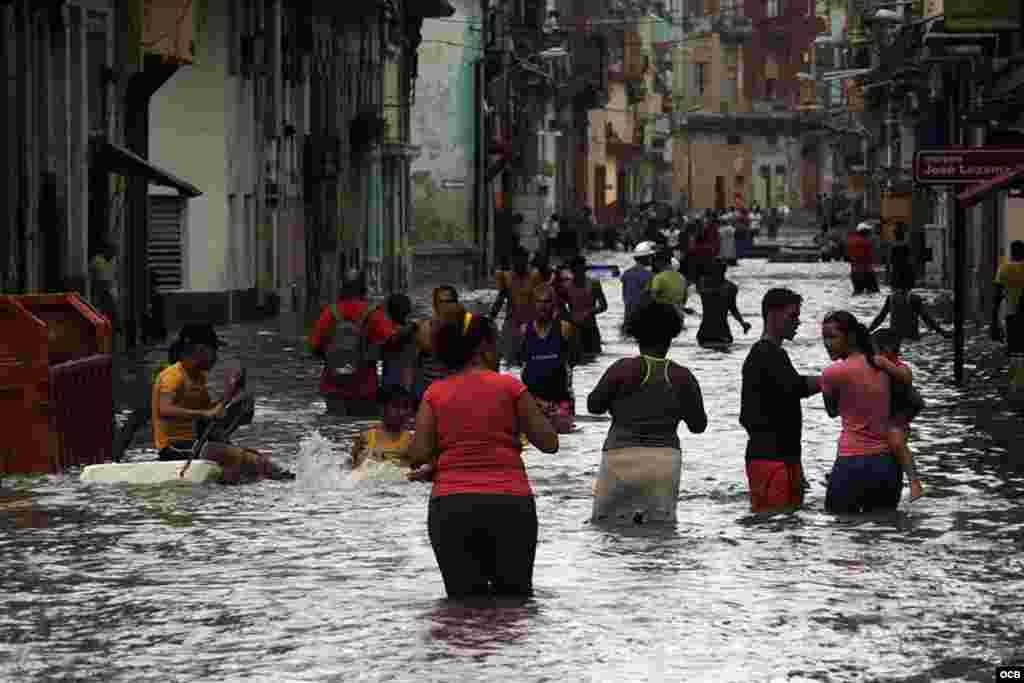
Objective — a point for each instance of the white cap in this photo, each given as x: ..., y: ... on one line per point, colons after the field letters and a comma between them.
x: 645, y: 249
x: 864, y: 227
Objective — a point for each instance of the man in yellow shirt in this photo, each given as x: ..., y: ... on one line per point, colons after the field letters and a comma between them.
x: 1009, y: 285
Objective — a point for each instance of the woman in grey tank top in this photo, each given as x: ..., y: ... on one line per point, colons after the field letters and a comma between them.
x: 648, y: 396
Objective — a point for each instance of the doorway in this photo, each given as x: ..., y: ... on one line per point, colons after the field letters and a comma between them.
x: 719, y: 192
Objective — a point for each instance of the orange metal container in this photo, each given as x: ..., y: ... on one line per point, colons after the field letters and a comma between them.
x: 27, y: 444
x: 54, y: 353
x: 76, y: 329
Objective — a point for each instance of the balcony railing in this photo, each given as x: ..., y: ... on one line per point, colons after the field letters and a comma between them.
x: 733, y: 27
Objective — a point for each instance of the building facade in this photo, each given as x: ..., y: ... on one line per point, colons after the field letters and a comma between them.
x: 238, y: 155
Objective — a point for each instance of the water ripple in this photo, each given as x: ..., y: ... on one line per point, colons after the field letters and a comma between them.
x: 327, y: 579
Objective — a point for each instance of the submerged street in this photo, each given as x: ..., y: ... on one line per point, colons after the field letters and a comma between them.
x: 329, y: 579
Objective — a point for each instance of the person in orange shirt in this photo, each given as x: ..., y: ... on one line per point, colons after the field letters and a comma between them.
x: 353, y: 390
x: 181, y: 394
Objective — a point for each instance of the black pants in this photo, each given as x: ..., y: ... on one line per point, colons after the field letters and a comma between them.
x: 178, y: 450
x: 864, y: 483
x: 484, y: 543
x: 863, y: 282
x: 1015, y: 334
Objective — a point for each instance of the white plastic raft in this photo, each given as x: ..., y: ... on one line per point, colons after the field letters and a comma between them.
x: 154, y: 472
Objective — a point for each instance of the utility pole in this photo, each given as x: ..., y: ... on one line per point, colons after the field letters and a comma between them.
x: 955, y: 98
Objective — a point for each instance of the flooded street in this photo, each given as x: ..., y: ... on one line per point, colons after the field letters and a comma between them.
x: 325, y: 579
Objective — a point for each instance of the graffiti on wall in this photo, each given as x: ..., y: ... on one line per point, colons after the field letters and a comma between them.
x: 443, y: 127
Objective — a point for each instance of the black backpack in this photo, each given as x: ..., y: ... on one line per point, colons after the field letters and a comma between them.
x: 349, y: 348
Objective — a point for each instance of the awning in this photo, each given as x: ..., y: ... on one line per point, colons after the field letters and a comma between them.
x: 980, y: 191
x: 123, y: 161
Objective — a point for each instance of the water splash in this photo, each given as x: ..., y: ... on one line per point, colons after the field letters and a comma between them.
x: 321, y: 464
x: 379, y: 471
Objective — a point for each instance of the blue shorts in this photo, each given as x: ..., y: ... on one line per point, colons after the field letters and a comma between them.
x: 864, y: 483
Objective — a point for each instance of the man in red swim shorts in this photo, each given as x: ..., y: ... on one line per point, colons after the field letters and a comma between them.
x: 770, y: 410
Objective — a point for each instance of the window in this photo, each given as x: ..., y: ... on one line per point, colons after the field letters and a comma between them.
x: 773, y: 8
x: 701, y: 79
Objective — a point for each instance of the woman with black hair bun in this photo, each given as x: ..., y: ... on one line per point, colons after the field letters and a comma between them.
x: 482, y: 519
x: 866, y: 475
x: 648, y: 396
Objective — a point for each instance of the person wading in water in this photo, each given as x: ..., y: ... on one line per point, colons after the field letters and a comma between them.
x: 516, y: 289
x: 718, y: 299
x: 648, y: 396
x: 550, y: 350
x: 866, y: 476
x: 586, y: 301
x: 482, y: 519
x: 429, y: 364
x: 348, y: 337
x: 906, y: 308
x: 1009, y: 285
x: 770, y: 408
x: 636, y: 280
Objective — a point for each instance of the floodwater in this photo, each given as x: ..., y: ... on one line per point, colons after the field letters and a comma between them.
x: 325, y: 579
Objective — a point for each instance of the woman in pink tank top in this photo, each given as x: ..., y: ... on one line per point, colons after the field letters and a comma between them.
x: 866, y: 475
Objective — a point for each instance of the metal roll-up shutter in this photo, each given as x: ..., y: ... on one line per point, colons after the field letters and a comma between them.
x: 166, y: 218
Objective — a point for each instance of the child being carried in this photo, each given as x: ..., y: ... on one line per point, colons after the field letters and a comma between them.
x: 906, y: 403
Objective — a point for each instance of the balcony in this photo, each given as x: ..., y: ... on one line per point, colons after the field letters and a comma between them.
x: 733, y: 28
x: 624, y: 151
x: 701, y: 24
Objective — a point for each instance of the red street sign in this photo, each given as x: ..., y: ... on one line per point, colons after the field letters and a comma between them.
x: 965, y: 165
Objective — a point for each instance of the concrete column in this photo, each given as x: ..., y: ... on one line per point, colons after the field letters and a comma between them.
x: 7, y: 194
x: 27, y: 81
x: 980, y: 272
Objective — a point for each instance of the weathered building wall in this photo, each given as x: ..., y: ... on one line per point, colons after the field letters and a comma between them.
x: 443, y: 125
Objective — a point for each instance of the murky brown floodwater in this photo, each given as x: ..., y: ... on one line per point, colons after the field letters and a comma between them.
x: 327, y: 580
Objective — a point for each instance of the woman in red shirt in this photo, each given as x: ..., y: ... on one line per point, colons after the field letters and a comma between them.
x: 482, y: 519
